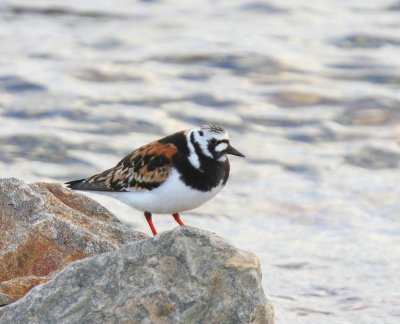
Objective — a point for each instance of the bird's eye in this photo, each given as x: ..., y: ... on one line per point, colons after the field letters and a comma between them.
x: 213, y: 141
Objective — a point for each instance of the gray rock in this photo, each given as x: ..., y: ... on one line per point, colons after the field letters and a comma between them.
x: 185, y: 275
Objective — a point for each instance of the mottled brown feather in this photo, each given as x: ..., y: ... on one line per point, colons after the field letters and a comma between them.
x: 145, y: 168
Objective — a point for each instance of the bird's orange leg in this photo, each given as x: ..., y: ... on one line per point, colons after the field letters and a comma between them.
x: 178, y: 219
x: 150, y: 222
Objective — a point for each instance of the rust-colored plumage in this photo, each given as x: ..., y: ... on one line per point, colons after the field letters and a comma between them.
x: 144, y: 169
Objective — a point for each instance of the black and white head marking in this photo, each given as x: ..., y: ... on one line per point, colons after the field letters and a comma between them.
x: 208, y: 141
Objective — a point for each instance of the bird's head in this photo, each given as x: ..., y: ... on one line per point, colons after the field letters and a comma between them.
x: 212, y: 142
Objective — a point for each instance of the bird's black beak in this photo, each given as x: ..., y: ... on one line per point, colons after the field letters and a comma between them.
x: 233, y: 151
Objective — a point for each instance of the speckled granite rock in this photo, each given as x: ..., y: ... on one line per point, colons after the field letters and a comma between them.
x: 44, y: 227
x: 185, y: 275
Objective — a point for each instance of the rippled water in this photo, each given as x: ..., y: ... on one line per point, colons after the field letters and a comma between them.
x: 309, y: 91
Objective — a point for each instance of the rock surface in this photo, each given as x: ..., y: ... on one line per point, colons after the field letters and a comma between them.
x: 185, y: 275
x: 44, y: 227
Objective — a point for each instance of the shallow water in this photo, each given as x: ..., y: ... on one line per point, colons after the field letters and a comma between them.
x: 308, y: 91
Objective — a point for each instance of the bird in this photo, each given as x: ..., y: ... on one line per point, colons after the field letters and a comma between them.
x: 171, y: 175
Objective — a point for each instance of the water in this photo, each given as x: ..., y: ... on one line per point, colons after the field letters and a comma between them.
x: 308, y: 91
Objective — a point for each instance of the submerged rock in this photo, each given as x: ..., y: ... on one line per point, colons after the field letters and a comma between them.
x: 44, y: 227
x: 185, y: 275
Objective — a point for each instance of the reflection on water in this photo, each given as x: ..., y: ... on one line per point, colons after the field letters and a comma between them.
x: 308, y: 91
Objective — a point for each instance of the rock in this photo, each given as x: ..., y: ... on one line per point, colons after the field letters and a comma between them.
x: 182, y: 276
x: 44, y: 227
x: 185, y: 275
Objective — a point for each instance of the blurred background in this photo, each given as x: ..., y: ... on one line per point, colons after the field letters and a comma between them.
x: 308, y: 90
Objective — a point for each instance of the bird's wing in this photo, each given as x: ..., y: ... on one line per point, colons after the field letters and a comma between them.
x: 145, y: 168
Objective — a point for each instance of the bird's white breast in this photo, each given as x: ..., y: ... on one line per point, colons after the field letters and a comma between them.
x: 172, y: 196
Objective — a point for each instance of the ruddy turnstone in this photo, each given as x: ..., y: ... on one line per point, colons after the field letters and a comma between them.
x: 174, y: 174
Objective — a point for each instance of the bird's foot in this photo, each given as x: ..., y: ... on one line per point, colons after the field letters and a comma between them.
x: 178, y: 219
x: 150, y: 222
